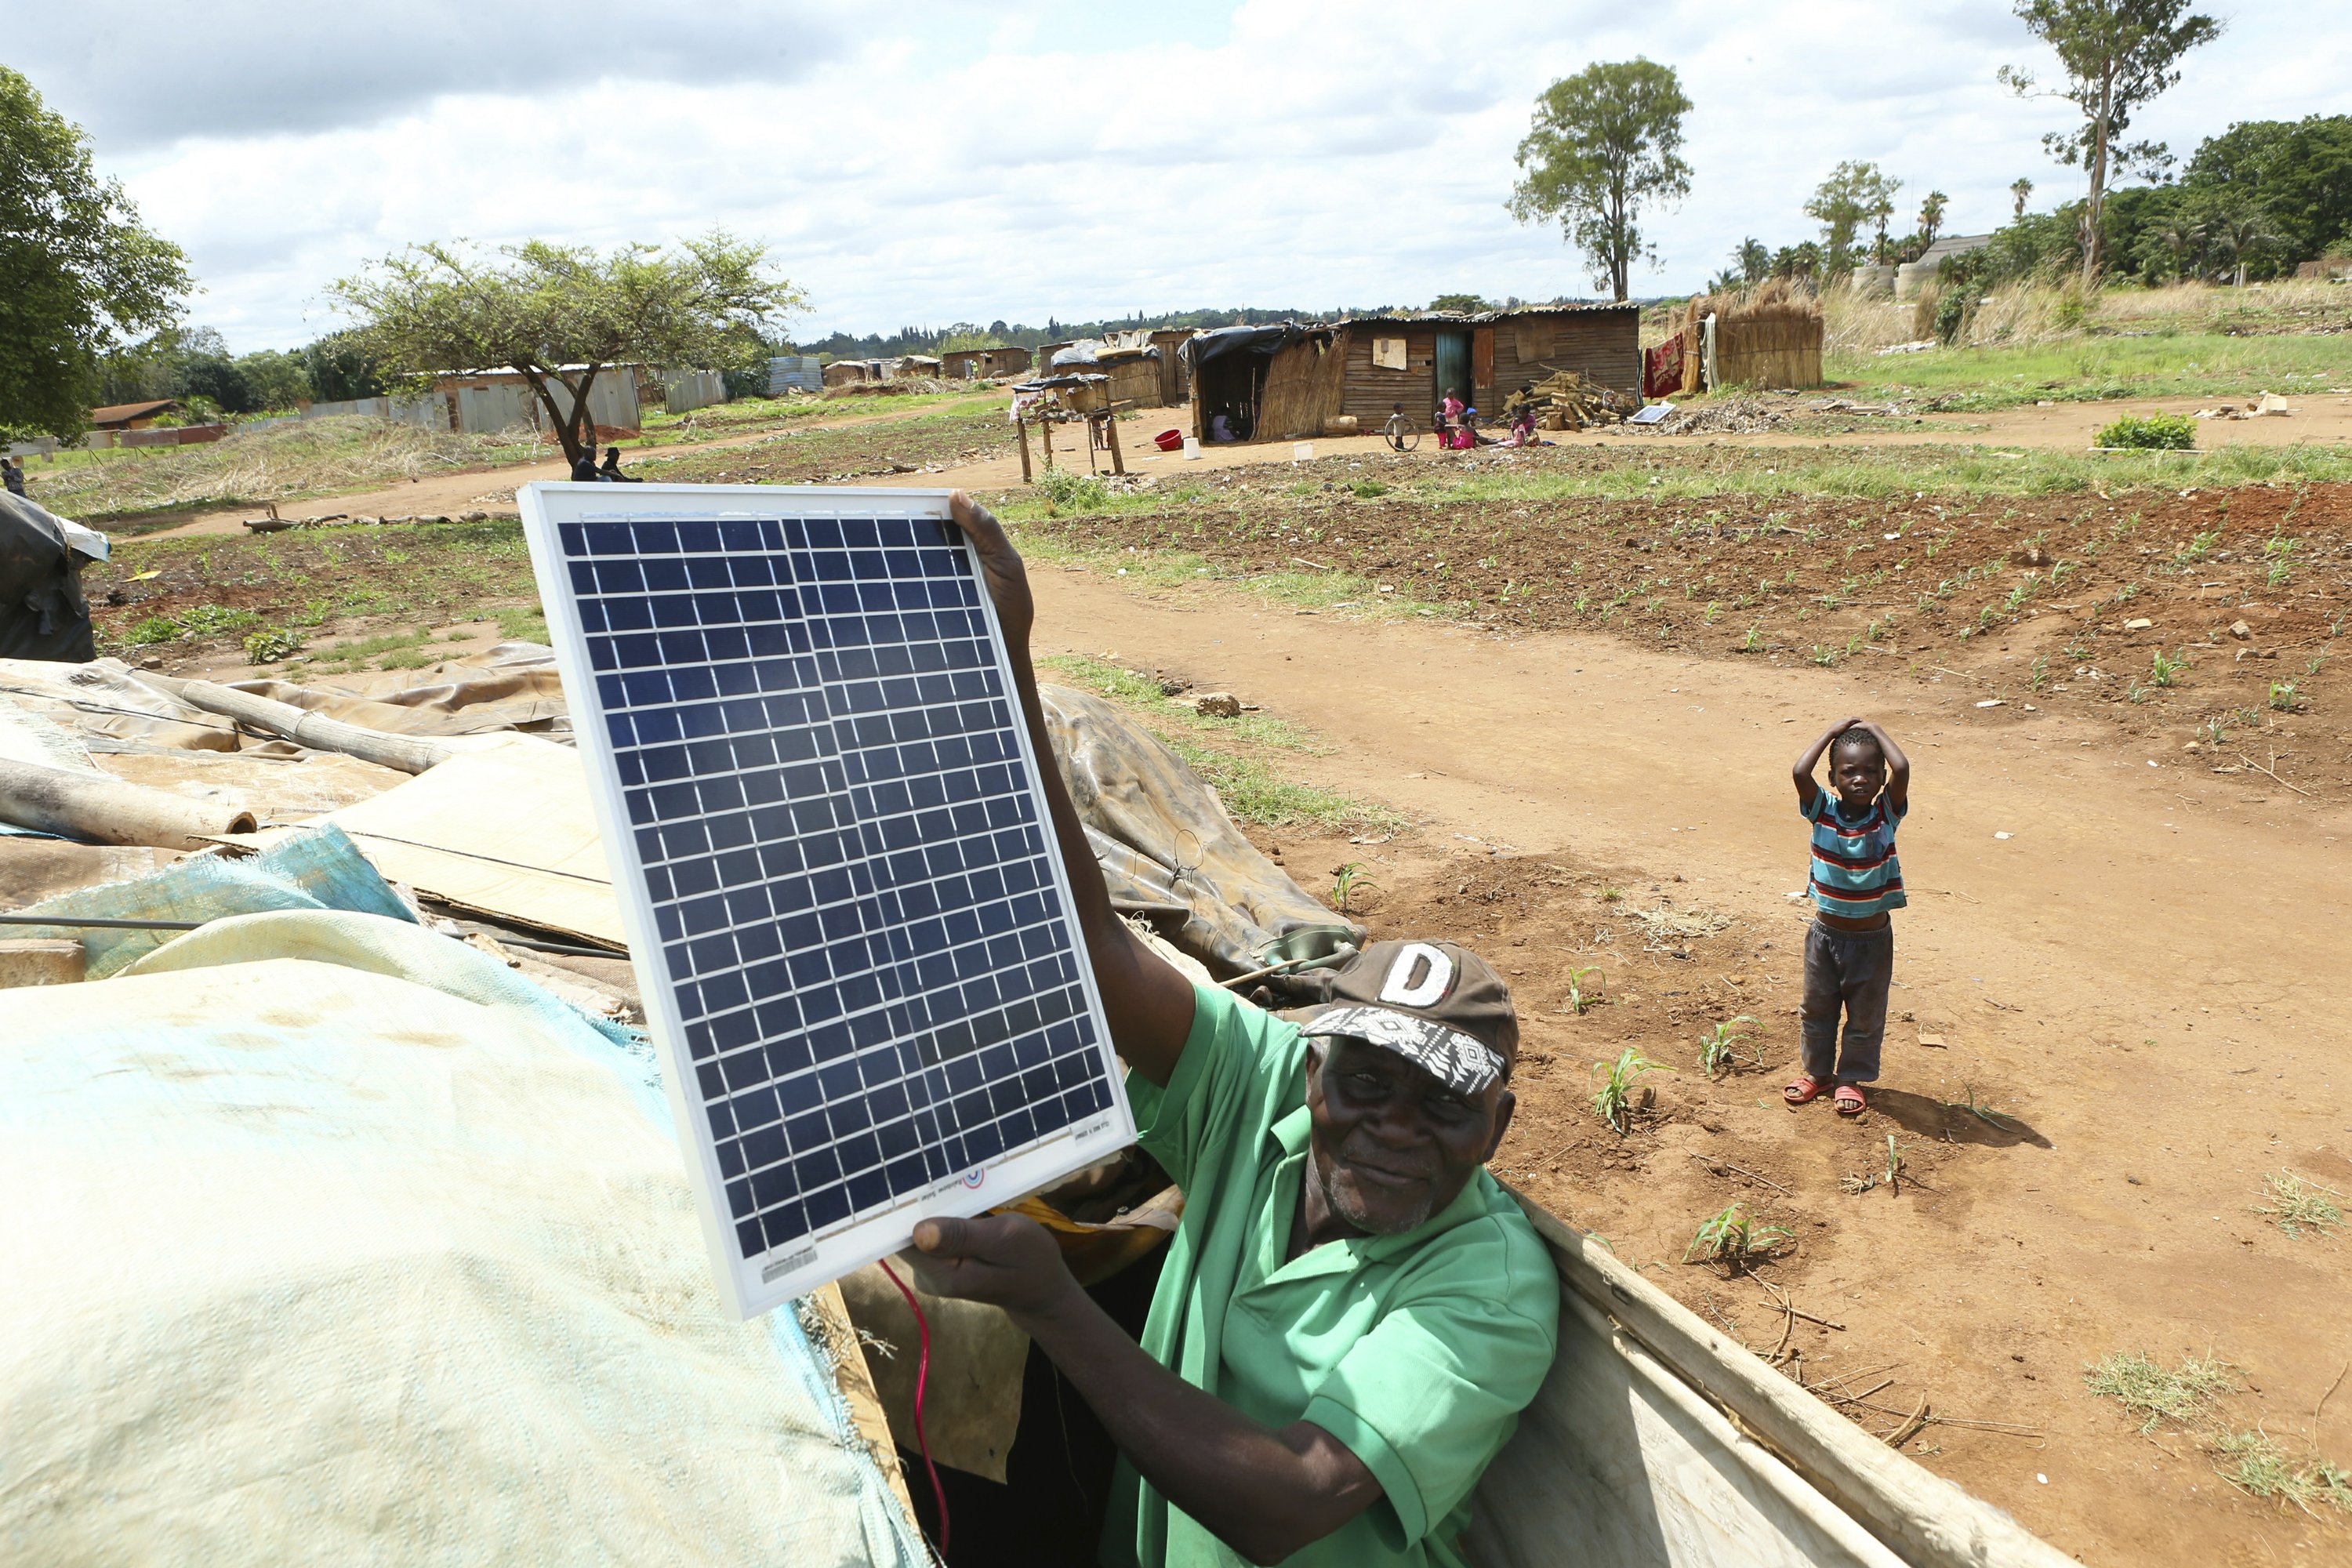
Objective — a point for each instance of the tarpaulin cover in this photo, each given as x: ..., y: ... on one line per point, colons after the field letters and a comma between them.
x: 332, y: 1240
x: 1662, y: 368
x: 42, y: 613
x: 317, y: 869
x: 1165, y: 846
x: 1202, y: 347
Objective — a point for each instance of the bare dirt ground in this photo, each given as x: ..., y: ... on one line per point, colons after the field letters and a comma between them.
x: 493, y: 488
x: 2147, y: 979
x: 2318, y: 419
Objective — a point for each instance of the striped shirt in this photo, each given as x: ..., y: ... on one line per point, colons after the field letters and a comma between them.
x: 1855, y: 873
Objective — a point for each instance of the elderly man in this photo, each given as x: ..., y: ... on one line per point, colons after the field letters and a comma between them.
x: 1352, y: 1313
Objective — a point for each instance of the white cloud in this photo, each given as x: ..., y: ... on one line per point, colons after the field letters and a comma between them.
x: 1018, y: 161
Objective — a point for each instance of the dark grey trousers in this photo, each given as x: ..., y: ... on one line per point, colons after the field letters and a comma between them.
x: 1848, y: 969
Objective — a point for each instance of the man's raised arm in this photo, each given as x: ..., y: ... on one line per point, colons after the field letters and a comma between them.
x: 1148, y: 1003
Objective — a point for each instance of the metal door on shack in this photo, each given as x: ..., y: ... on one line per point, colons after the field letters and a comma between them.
x: 1454, y: 364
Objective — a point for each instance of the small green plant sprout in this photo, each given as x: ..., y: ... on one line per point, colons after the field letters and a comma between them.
x: 1347, y: 883
x: 1579, y: 1000
x: 1612, y: 895
x: 1369, y: 489
x: 1614, y: 1101
x: 2151, y: 433
x: 1894, y: 1167
x: 1980, y: 1109
x: 1734, y: 1238
x: 1718, y: 1048
x: 2282, y: 696
x: 2199, y: 546
x: 2039, y: 676
x: 272, y: 644
x: 2313, y: 666
x: 1824, y: 656
x: 1755, y: 638
x: 2181, y: 1396
x: 2259, y: 1467
x: 2299, y: 1207
x: 2278, y: 558
x: 2216, y: 730
x: 2166, y: 671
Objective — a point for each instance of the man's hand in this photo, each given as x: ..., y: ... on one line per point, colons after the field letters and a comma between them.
x: 1008, y: 580
x: 1004, y: 1260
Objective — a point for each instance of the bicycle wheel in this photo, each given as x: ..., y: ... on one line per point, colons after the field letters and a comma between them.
x: 1407, y: 438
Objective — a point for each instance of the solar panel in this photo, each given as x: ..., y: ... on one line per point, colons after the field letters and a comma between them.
x: 848, y: 920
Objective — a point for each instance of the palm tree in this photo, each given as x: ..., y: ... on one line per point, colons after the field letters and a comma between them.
x: 2181, y: 239
x: 2019, y: 188
x: 2239, y: 234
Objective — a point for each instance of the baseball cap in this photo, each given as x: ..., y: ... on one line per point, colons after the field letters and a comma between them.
x: 1435, y: 1003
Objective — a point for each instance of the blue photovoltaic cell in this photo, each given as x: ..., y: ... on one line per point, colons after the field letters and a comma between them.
x: 879, y: 989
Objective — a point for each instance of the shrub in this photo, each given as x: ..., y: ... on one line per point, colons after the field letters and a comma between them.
x: 2151, y: 433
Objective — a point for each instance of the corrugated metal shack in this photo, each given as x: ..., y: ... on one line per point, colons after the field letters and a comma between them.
x: 795, y: 372
x: 487, y: 401
x: 1288, y: 381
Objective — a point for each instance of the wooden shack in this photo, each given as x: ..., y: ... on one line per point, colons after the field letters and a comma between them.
x: 1175, y: 385
x: 1281, y: 384
x: 982, y: 364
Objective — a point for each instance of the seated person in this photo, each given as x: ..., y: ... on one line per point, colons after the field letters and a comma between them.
x: 1352, y: 1313
x: 583, y: 467
x: 1221, y: 427
x: 610, y: 471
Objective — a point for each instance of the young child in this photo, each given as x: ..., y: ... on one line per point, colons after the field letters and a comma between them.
x: 1396, y: 427
x: 1855, y: 879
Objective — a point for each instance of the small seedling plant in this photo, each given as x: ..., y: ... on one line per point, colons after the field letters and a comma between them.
x: 1612, y: 1102
x: 1348, y: 883
x: 1981, y: 1110
x: 1734, y: 1238
x: 1579, y: 1000
x: 1719, y: 1048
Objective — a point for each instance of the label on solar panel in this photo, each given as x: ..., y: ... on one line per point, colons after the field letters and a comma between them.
x: 844, y: 904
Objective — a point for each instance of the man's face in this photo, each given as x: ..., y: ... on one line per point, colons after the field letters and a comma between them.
x: 1859, y: 774
x: 1391, y: 1145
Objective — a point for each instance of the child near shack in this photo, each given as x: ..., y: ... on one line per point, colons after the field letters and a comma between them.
x: 1855, y: 879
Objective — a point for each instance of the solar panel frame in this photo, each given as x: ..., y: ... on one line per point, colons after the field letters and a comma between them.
x: 754, y: 1282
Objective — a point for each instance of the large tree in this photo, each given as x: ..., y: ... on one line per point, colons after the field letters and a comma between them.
x: 2117, y: 56
x: 1854, y: 194
x: 561, y: 315
x: 78, y: 275
x: 1604, y: 144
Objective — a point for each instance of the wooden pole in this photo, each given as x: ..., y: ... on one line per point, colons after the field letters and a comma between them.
x: 409, y: 754
x: 1021, y: 428
x: 1117, y: 461
x: 98, y: 809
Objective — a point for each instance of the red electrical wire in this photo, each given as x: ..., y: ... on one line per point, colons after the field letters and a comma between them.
x: 922, y: 1376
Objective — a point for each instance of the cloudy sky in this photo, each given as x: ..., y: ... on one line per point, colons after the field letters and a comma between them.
x: 949, y: 161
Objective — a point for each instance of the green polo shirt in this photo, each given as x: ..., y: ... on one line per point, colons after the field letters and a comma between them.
x: 1416, y: 1350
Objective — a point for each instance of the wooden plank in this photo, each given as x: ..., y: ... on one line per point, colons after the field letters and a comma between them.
x: 1926, y: 1520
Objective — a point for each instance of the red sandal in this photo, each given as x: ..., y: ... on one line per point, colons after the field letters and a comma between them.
x: 1848, y: 1100
x: 1805, y: 1091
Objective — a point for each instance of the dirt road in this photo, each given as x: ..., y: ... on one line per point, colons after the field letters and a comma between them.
x: 2148, y: 971
x: 483, y: 488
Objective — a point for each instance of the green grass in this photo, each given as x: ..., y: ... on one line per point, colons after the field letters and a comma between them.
x: 1052, y: 542
x: 2299, y: 1207
x: 2184, y: 1396
x: 2184, y: 364
x: 1227, y: 754
x: 2259, y: 1466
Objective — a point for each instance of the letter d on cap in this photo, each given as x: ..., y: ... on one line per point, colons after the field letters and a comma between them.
x: 1435, y: 980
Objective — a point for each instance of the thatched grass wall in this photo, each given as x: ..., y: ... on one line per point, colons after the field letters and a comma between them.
x: 1769, y: 336
x: 1303, y: 388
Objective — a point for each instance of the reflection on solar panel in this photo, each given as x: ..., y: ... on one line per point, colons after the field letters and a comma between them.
x: 835, y: 864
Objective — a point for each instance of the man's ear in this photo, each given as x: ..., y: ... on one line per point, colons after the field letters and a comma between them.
x: 1504, y: 1104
